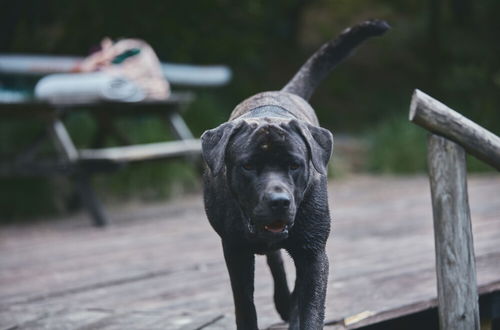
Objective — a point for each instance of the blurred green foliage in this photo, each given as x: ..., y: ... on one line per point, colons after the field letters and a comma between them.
x: 449, y: 49
x: 396, y: 134
x: 397, y: 147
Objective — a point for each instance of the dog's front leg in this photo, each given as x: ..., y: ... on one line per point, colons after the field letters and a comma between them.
x: 241, y: 266
x: 310, y: 288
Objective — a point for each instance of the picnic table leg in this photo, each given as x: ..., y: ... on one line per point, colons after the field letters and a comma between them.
x: 182, y: 132
x: 179, y: 127
x: 68, y: 151
x: 90, y: 200
x: 495, y: 311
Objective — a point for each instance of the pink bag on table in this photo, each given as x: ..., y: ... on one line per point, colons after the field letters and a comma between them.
x: 132, y: 59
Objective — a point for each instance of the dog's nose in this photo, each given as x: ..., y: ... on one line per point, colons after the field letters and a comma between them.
x: 279, y: 201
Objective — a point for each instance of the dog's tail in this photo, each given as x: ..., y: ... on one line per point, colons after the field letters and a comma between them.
x: 319, y: 65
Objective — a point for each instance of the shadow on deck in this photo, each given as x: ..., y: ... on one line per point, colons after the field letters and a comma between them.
x: 161, y: 266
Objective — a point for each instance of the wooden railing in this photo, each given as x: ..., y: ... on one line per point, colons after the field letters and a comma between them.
x: 451, y: 136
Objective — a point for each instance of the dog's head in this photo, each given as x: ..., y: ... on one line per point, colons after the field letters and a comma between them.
x: 268, y: 165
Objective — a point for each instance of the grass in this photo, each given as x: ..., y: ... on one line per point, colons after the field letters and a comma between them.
x: 398, y: 146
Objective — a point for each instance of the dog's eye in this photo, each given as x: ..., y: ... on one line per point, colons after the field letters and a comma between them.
x: 294, y: 166
x: 248, y: 166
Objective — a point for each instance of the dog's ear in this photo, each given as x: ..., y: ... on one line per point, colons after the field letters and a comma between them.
x: 319, y: 142
x: 214, y: 143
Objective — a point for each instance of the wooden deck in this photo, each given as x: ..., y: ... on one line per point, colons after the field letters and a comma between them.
x: 161, y: 266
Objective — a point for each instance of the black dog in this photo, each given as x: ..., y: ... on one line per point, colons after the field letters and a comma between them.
x: 266, y: 188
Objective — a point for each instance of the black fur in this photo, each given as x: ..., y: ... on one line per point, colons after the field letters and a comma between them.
x: 265, y: 189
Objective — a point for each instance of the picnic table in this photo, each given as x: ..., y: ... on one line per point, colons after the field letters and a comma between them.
x: 80, y: 164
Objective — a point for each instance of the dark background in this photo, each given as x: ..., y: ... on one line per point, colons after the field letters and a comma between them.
x: 449, y: 49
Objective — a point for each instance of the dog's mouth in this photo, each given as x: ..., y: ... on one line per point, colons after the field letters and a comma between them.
x: 276, y: 227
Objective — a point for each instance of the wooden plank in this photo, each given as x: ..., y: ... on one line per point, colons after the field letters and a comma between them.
x: 27, y: 109
x: 164, y: 260
x: 455, y: 263
x: 63, y: 141
x: 367, y: 318
x: 142, y: 152
x: 440, y: 119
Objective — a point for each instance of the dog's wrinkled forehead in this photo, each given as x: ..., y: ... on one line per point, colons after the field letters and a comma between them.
x: 267, y: 135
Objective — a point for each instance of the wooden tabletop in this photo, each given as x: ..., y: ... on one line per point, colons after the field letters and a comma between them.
x: 160, y: 266
x: 175, y: 102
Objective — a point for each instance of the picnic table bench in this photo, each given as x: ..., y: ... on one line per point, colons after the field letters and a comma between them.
x: 80, y: 163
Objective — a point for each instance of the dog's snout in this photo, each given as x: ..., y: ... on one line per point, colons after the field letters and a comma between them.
x: 279, y: 201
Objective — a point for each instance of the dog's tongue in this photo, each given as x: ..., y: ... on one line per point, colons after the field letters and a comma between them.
x: 275, y: 227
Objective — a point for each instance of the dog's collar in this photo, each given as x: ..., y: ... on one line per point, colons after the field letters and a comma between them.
x: 268, y: 111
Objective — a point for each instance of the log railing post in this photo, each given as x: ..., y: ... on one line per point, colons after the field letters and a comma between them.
x: 455, y: 264
x: 437, y: 118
